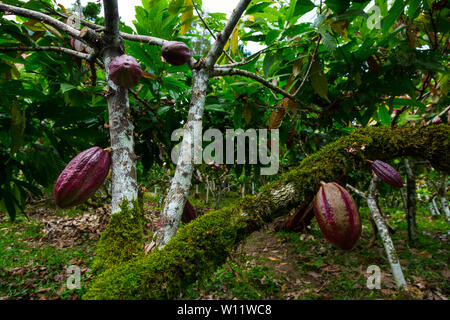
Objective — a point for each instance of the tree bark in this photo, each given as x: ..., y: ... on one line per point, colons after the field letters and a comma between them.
x: 441, y: 194
x: 384, y: 234
x: 121, y: 129
x: 181, y: 181
x: 411, y: 202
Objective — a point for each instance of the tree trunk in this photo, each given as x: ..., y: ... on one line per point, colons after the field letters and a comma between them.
x: 384, y: 234
x: 219, y: 196
x: 441, y: 195
x: 181, y: 181
x: 411, y: 202
x: 121, y: 129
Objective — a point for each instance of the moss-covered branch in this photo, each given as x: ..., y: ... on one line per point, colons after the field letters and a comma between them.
x: 201, y: 246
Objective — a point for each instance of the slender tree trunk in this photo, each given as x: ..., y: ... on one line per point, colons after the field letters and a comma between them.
x: 435, y: 206
x: 441, y: 195
x: 411, y: 202
x: 432, y: 208
x: 405, y: 204
x: 377, y: 217
x: 124, y: 184
x: 384, y: 234
x: 181, y: 181
x: 219, y: 196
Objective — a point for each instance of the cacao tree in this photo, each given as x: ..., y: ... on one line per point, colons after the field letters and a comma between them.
x: 315, y: 81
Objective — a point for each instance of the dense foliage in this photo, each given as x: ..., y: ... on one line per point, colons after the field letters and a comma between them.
x: 356, y: 69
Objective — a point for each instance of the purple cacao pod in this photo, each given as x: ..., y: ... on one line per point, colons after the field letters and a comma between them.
x: 82, y: 177
x: 125, y: 71
x: 189, y: 213
x: 176, y: 53
x: 337, y: 215
x: 386, y: 173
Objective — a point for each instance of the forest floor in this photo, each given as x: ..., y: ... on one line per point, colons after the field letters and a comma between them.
x: 35, y: 253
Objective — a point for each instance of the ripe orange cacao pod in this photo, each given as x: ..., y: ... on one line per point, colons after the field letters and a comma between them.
x: 386, y: 173
x: 82, y: 177
x: 125, y: 71
x: 337, y: 215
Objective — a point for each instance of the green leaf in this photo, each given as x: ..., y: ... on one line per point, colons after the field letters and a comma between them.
x: 175, y: 6
x: 413, y: 5
x: 383, y: 115
x: 319, y: 80
x: 9, y: 203
x: 259, y: 7
x: 271, y: 36
x: 216, y: 107
x: 413, y: 117
x: 268, y: 62
x: 66, y: 87
x: 338, y: 6
x: 329, y: 42
x: 393, y: 15
x: 18, y: 122
x: 408, y: 102
x: 302, y: 7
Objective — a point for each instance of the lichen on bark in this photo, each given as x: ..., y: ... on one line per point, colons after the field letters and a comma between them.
x: 201, y: 246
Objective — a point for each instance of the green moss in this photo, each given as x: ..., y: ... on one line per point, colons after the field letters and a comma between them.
x: 122, y: 240
x: 202, y: 245
x: 195, y: 252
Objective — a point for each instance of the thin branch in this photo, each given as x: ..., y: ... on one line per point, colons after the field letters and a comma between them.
x: 266, y: 83
x: 204, y: 22
x: 8, y: 9
x: 210, y: 31
x: 223, y: 36
x: 439, y: 115
x: 87, y: 23
x: 252, y: 57
x: 47, y: 48
x: 358, y: 192
x: 313, y: 58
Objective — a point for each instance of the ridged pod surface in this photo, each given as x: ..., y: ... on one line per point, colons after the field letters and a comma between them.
x: 125, y: 71
x: 337, y: 215
x: 386, y: 173
x: 82, y: 177
x: 175, y: 52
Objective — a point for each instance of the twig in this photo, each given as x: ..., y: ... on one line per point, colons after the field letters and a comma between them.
x: 8, y: 9
x: 47, y: 48
x: 223, y: 36
x: 383, y: 230
x: 439, y: 115
x: 266, y: 83
x: 313, y: 58
x: 210, y: 31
